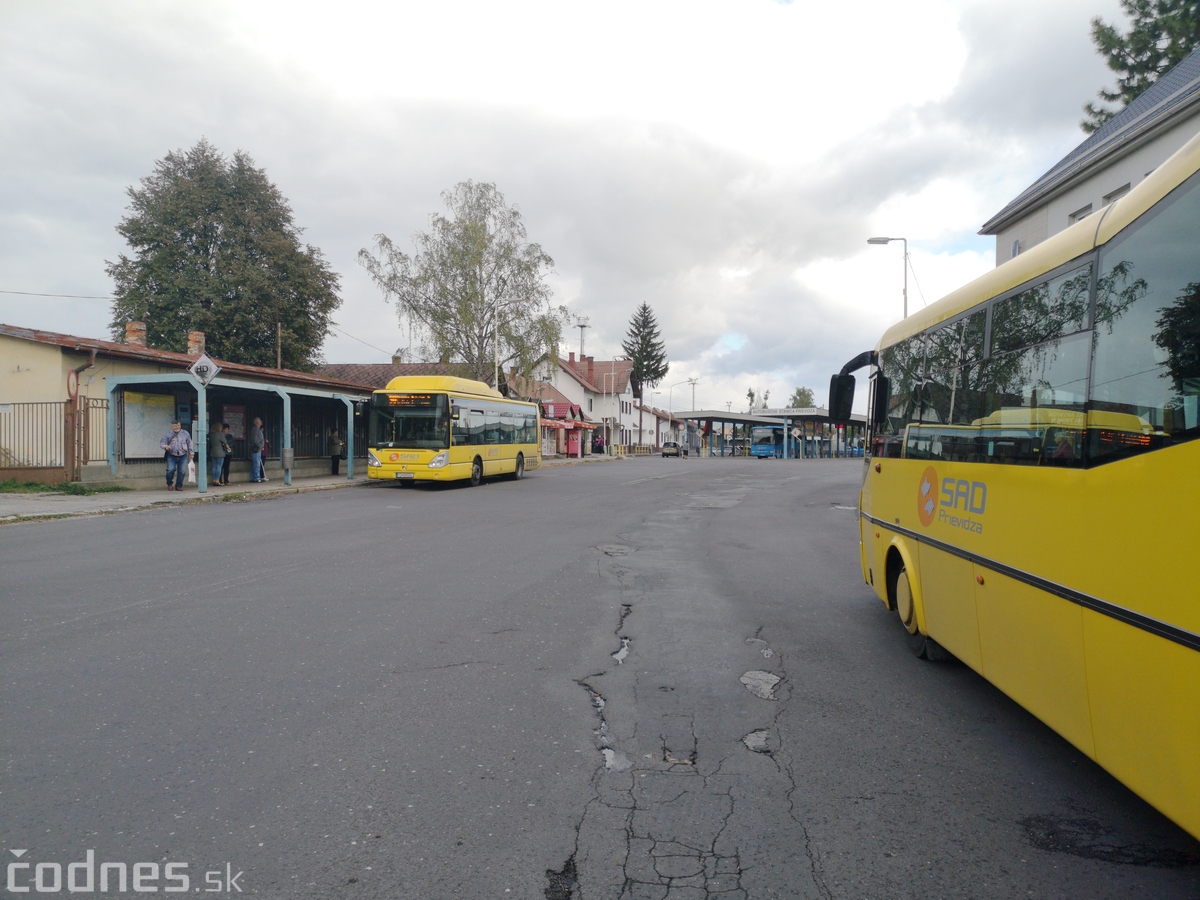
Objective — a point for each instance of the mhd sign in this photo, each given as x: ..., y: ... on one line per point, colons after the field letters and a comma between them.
x: 204, y: 369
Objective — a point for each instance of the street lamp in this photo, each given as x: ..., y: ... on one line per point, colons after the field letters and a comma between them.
x: 888, y: 240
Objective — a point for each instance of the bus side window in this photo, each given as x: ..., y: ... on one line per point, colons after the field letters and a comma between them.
x: 477, y: 426
x: 461, y: 426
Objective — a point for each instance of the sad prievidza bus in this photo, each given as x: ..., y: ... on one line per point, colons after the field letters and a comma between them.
x: 1030, y: 496
x: 446, y: 429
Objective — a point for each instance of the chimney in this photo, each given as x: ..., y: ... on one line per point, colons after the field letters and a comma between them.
x: 398, y: 358
x: 571, y: 357
x: 195, y: 343
x: 135, y: 333
x: 591, y: 366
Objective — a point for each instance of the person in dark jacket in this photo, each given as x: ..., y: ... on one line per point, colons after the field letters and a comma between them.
x: 257, y: 441
x: 216, y: 450
x: 335, y: 449
x: 228, y: 441
x: 177, y: 447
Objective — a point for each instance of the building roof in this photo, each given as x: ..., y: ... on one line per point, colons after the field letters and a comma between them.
x: 612, y: 374
x: 174, y: 360
x: 377, y: 375
x: 1173, y: 97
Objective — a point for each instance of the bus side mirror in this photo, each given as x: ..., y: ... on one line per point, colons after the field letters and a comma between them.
x: 841, y: 397
x: 880, y: 399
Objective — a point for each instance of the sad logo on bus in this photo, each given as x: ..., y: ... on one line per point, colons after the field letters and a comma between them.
x: 952, y: 501
x: 927, y: 497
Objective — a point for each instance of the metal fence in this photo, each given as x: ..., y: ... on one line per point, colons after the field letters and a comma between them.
x: 54, y: 434
x: 32, y: 435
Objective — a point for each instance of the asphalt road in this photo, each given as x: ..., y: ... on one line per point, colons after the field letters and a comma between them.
x: 645, y: 679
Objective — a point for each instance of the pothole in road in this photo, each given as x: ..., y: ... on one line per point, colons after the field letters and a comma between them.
x: 761, y: 645
x: 562, y: 883
x: 615, y: 549
x: 758, y: 741
x: 1089, y: 839
x: 616, y: 760
x: 620, y: 655
x: 761, y: 684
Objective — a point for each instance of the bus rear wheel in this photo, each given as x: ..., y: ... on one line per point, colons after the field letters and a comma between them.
x: 476, y: 472
x: 519, y: 471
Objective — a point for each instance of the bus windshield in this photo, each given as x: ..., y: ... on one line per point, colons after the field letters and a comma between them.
x: 419, y: 421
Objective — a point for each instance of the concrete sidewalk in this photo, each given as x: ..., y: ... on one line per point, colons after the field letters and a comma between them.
x: 20, y: 507
x: 23, y: 507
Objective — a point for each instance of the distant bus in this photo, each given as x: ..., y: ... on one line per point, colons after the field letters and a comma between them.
x: 1031, y: 486
x: 766, y: 442
x: 449, y: 429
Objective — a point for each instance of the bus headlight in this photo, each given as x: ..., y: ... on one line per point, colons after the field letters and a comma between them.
x: 440, y: 460
x: 372, y: 459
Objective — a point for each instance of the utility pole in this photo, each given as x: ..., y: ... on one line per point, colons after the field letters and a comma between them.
x: 279, y: 345
x: 581, y: 323
x: 692, y: 382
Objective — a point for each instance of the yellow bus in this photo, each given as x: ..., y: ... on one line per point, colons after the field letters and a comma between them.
x: 1030, y: 495
x: 448, y: 429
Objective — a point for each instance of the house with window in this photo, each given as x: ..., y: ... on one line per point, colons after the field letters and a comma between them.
x: 1106, y: 166
x: 604, y: 391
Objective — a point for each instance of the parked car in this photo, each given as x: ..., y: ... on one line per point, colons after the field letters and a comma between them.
x: 670, y: 448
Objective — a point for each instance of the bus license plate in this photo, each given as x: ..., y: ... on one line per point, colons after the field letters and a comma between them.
x: 404, y: 474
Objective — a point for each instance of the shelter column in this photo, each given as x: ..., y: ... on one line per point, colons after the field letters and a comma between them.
x: 111, y: 422
x: 349, y: 435
x: 287, y: 434
x: 201, y: 442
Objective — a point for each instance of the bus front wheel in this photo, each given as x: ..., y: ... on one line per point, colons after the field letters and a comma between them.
x: 922, y: 645
x: 476, y: 472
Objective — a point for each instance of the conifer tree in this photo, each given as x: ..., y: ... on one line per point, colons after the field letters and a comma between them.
x: 644, y: 347
x: 1161, y: 33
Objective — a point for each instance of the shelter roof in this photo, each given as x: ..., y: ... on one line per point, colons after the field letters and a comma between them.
x: 171, y: 359
x: 1173, y: 97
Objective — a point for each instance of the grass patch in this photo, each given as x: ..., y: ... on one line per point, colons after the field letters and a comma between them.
x: 12, y: 486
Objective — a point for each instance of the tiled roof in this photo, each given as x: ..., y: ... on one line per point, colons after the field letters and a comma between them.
x: 176, y: 360
x: 1175, y: 95
x: 611, y: 374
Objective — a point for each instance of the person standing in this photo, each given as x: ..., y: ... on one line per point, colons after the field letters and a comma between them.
x: 177, y: 447
x: 228, y: 442
x: 257, y: 441
x: 216, y: 450
x: 335, y: 449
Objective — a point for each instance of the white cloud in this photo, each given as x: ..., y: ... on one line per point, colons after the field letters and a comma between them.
x: 723, y: 161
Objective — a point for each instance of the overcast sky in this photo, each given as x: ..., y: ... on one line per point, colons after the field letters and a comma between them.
x: 724, y: 162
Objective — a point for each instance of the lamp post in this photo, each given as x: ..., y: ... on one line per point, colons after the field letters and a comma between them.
x: 888, y: 240
x: 670, y: 406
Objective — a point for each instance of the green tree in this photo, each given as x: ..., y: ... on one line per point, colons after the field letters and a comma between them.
x: 1161, y: 33
x: 644, y: 347
x: 761, y: 397
x: 475, y: 290
x: 802, y: 398
x: 214, y: 249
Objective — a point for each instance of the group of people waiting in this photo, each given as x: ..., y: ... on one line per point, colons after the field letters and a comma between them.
x: 179, y: 450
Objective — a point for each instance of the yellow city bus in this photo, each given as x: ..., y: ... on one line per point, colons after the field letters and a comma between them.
x: 447, y: 429
x: 1029, y: 501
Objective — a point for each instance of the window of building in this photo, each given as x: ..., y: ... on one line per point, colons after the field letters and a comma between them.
x: 1082, y: 213
x: 1117, y: 194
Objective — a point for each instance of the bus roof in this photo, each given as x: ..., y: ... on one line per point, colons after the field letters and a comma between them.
x: 1061, y: 248
x: 441, y: 384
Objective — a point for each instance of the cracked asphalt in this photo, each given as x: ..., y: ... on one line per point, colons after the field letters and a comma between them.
x: 646, y: 679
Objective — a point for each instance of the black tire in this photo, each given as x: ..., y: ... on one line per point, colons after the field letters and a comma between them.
x: 476, y: 472
x: 922, y: 645
x: 519, y: 471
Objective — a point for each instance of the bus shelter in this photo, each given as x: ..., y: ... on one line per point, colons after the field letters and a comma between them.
x: 809, y: 432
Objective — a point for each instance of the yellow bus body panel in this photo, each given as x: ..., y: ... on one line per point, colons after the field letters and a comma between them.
x: 1121, y: 533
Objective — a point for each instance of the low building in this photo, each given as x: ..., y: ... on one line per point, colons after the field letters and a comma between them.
x: 76, y: 408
